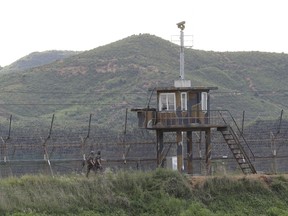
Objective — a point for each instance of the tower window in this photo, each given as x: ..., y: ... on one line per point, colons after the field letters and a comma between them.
x: 183, y: 101
x: 167, y: 101
x: 204, y: 101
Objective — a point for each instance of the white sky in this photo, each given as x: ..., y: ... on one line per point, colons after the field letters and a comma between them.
x: 220, y: 25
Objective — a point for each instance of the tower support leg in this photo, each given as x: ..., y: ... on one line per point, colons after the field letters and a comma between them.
x: 189, y: 153
x: 160, y: 148
x: 179, y: 140
x: 208, y: 149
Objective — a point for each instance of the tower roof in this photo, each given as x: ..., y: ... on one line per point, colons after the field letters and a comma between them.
x: 184, y: 89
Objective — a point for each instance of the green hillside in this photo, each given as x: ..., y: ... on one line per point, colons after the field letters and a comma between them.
x: 108, y: 79
x: 37, y: 59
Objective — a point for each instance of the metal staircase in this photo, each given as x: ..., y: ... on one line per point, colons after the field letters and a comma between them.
x: 237, y: 150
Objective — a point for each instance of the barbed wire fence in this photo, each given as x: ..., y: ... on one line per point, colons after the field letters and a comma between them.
x: 55, y: 145
x: 59, y: 150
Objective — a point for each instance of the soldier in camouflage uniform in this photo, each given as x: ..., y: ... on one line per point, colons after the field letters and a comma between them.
x: 93, y: 162
x: 98, y: 159
x: 90, y: 162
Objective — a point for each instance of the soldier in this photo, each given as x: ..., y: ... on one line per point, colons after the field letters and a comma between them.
x: 93, y: 162
x: 98, y: 165
x: 90, y: 162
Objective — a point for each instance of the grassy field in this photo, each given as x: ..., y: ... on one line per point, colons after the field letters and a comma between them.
x: 160, y: 192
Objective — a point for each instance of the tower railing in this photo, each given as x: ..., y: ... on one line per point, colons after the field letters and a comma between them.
x: 192, y: 119
x: 213, y: 118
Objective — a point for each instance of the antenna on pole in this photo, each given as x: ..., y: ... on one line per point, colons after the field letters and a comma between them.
x: 181, y: 25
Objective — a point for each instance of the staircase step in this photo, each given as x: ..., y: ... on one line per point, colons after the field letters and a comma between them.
x: 222, y: 129
x: 245, y: 165
x: 230, y: 141
x: 239, y: 154
x: 247, y: 170
x: 241, y: 161
x: 227, y: 134
x: 233, y: 147
x: 235, y: 150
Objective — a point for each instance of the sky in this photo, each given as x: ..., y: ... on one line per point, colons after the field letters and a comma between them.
x: 28, y: 26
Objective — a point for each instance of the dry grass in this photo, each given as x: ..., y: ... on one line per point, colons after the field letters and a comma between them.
x: 198, y: 181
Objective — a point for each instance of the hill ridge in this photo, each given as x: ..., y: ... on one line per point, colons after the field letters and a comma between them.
x: 114, y: 75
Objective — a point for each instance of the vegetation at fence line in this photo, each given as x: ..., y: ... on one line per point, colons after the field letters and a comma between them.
x: 160, y: 192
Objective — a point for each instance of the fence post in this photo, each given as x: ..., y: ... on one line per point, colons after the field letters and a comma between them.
x: 273, y: 144
x: 280, y: 122
x: 83, y: 143
x: 4, y: 147
x: 46, y: 156
x: 243, y: 119
x: 125, y: 153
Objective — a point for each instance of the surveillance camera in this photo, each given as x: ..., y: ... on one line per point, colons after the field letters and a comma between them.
x: 181, y: 25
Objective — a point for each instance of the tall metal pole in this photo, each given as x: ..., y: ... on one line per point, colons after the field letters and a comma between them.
x: 179, y: 134
x: 181, y: 26
x: 182, y: 76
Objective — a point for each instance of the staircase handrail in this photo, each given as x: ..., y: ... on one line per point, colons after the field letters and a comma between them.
x: 242, y: 150
x: 241, y: 134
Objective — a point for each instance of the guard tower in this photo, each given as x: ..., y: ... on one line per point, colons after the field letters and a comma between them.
x: 184, y: 109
